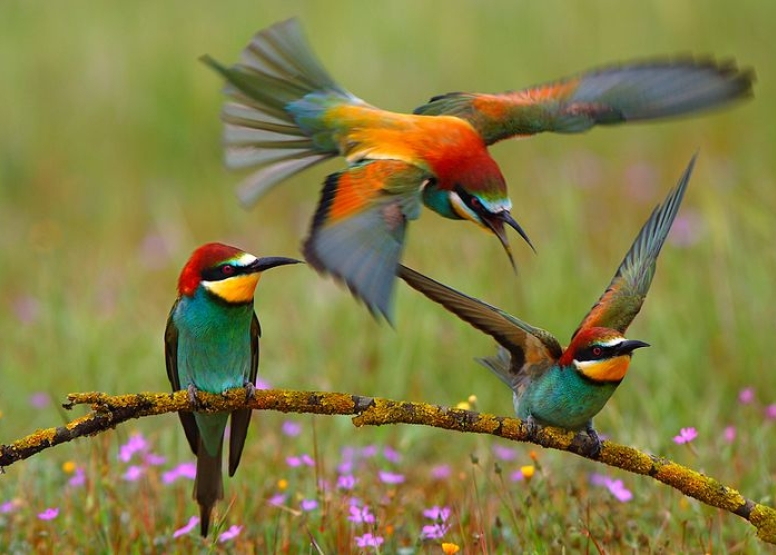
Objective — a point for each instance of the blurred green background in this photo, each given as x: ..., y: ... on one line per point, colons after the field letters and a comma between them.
x: 110, y: 175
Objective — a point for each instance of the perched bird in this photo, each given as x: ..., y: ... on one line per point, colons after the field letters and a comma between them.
x: 212, y: 344
x: 568, y: 387
x: 285, y: 114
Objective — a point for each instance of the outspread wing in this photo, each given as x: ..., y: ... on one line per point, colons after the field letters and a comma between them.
x: 622, y: 300
x: 171, y: 360
x: 530, y: 348
x: 627, y: 92
x: 241, y: 419
x: 358, y: 231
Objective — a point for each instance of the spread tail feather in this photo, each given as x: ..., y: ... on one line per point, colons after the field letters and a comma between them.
x: 278, y: 93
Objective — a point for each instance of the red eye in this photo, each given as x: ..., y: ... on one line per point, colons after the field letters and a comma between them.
x: 597, y: 351
x: 227, y: 269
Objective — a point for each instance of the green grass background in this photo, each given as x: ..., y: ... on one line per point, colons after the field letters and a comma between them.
x: 110, y: 175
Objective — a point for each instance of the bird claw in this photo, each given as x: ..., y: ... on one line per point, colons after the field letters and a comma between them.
x: 250, y: 390
x: 592, y: 450
x: 193, y: 400
x: 532, y: 428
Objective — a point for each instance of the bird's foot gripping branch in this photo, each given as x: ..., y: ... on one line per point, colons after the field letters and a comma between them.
x: 108, y: 411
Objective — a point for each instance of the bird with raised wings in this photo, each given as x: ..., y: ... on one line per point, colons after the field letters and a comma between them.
x: 285, y: 113
x: 212, y: 344
x: 567, y: 387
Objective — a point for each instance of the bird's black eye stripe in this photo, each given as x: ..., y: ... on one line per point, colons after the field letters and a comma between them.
x: 470, y: 200
x: 596, y: 352
x: 222, y: 271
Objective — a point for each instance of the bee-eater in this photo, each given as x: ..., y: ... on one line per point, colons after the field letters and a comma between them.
x: 212, y: 344
x: 285, y: 114
x: 568, y: 387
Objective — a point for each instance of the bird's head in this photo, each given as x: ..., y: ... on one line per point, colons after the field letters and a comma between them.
x: 476, y: 192
x: 226, y: 272
x: 600, y: 354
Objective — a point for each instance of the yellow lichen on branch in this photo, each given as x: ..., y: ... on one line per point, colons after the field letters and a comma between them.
x: 107, y: 411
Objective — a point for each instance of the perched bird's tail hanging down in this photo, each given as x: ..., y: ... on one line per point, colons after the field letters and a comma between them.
x: 208, y: 485
x: 278, y: 91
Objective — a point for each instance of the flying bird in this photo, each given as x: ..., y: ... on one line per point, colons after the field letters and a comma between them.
x: 212, y: 344
x: 285, y: 113
x: 566, y: 387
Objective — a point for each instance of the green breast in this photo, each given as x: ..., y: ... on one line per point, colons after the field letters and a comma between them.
x: 562, y: 397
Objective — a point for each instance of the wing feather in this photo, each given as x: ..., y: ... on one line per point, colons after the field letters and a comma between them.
x: 622, y: 300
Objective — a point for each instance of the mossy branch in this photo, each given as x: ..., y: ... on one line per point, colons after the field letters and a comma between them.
x: 109, y: 411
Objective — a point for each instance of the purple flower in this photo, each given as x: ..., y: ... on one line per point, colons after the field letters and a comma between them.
x: 390, y: 478
x: 620, y: 492
x: 153, y: 459
x: 391, y: 455
x: 78, y: 478
x: 193, y: 521
x: 133, y: 473
x: 437, y: 513
x: 434, y: 531
x: 135, y: 443
x: 369, y: 451
x: 437, y: 530
x: 441, y: 471
x: 368, y: 540
x: 277, y: 500
x: 230, y: 534
x: 183, y: 470
x: 729, y: 434
x: 770, y: 412
x: 360, y: 514
x: 686, y: 435
x: 295, y: 462
x: 746, y: 395
x: 262, y: 384
x: 9, y: 506
x: 615, y: 487
x: 40, y: 400
x: 49, y: 514
x: 309, y: 505
x: 346, y: 482
x: 291, y: 428
x: 504, y: 453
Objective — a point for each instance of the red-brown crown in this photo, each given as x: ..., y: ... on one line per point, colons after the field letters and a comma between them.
x: 205, y: 257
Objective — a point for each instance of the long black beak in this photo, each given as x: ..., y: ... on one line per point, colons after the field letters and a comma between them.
x: 496, y: 223
x: 267, y: 262
x: 630, y: 345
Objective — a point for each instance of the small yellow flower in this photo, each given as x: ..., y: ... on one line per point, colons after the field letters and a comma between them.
x: 450, y: 548
x: 68, y: 467
x: 527, y: 471
x: 463, y: 405
x: 282, y: 484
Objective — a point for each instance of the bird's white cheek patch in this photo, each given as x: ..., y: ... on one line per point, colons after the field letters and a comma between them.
x: 609, y: 370
x: 237, y: 289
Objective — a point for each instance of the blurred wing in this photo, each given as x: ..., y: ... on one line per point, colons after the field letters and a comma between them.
x: 528, y: 346
x: 609, y: 95
x: 241, y: 419
x: 171, y: 360
x: 357, y: 234
x: 622, y: 300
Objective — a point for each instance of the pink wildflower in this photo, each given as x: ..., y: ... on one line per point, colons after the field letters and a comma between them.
x: 368, y: 540
x: 686, y: 435
x: 390, y: 478
x: 230, y: 534
x: 49, y: 514
x: 746, y: 395
x: 193, y: 521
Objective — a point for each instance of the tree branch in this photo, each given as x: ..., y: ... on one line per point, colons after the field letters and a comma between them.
x: 109, y: 411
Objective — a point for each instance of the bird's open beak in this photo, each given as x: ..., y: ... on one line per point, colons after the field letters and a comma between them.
x: 630, y: 345
x: 267, y: 262
x: 496, y: 224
